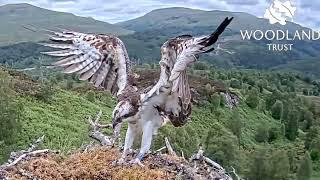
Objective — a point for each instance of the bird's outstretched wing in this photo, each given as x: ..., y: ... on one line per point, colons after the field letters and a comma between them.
x: 99, y: 59
x: 176, y: 55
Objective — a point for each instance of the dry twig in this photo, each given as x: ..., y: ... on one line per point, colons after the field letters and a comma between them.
x: 169, y: 147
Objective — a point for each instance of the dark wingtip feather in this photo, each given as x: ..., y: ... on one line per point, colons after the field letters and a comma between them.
x: 215, y: 35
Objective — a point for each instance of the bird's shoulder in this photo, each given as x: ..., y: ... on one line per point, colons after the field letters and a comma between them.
x: 130, y: 94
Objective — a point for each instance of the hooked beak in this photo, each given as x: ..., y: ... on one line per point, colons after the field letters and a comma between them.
x: 116, y: 121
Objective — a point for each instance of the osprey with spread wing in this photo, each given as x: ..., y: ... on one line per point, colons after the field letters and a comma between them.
x: 103, y: 61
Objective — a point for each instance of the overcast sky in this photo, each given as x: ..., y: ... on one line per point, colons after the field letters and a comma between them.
x: 113, y: 11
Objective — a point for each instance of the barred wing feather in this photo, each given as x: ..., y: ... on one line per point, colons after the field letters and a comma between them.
x: 99, y: 59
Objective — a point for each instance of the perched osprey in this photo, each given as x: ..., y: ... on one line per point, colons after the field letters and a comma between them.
x: 103, y: 60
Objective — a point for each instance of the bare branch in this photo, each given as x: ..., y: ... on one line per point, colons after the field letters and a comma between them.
x: 169, y: 147
x: 219, y: 48
x: 234, y: 172
x: 212, y: 163
x: 16, y: 157
x: 96, y: 134
x: 36, y: 143
x: 161, y: 149
x: 98, y: 117
x: 103, y: 139
x: 182, y: 155
x: 216, y: 170
x: 23, y: 156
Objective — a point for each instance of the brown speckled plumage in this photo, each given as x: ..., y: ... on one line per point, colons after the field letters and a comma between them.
x: 103, y: 60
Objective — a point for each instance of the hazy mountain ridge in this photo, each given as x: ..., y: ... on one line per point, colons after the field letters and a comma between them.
x: 161, y: 24
x: 147, y: 33
x: 15, y: 16
x: 178, y: 16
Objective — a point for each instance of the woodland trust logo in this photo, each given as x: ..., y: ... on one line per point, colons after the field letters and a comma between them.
x: 280, y: 12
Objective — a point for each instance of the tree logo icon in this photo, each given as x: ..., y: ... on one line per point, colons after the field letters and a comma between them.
x: 280, y: 12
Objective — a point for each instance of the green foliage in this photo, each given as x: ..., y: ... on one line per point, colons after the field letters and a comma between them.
x: 267, y: 165
x: 62, y: 121
x: 215, y: 101
x: 279, y: 165
x: 234, y: 83
x: 221, y: 148
x: 262, y: 134
x: 305, y: 169
x: 46, y: 92
x: 275, y: 133
x: 90, y: 96
x: 312, y: 143
x: 200, y: 66
x: 258, y: 168
x: 219, y: 129
x: 308, y: 119
x: 262, y: 105
x: 292, y: 125
x: 305, y: 92
x: 252, y: 99
x: 10, y: 115
x: 277, y: 110
x: 236, y: 126
x: 69, y: 84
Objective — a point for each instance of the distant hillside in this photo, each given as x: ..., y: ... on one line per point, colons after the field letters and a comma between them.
x: 156, y: 27
x: 150, y: 32
x: 14, y: 16
x: 193, y: 18
x: 309, y: 66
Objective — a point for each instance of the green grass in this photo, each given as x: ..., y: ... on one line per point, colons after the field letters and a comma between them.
x: 63, y: 121
x: 188, y: 137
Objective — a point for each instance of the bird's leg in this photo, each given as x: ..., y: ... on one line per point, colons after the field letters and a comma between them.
x: 145, y: 143
x: 130, y: 135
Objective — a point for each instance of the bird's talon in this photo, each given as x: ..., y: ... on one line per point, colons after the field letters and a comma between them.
x: 119, y: 162
x: 136, y: 161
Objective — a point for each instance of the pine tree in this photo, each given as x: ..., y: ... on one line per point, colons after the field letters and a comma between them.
x: 10, y: 115
x: 262, y: 105
x: 308, y: 117
x: 222, y: 148
x: 277, y: 110
x: 236, y: 126
x: 311, y: 135
x: 214, y: 102
x: 262, y: 134
x: 292, y: 125
x: 279, y: 165
x: 235, y: 84
x: 252, y: 99
x: 259, y: 165
x: 305, y: 169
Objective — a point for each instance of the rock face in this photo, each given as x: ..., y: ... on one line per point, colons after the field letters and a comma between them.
x: 232, y: 100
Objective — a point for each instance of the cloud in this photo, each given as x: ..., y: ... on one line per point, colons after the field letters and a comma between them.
x: 242, y: 2
x: 122, y: 10
x: 313, y: 5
